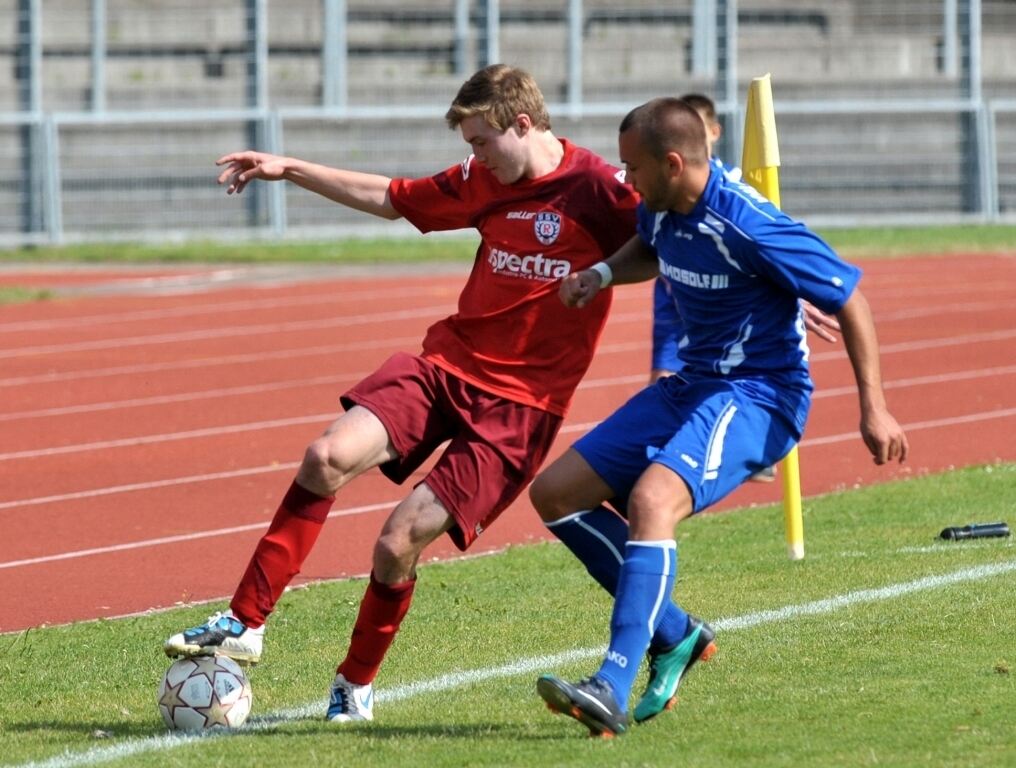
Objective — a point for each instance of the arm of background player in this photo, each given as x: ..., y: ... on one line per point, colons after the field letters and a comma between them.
x: 818, y: 322
x: 879, y: 430
x: 365, y: 192
x: 633, y: 262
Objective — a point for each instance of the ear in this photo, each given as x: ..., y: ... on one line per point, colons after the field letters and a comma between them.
x: 675, y: 164
x: 523, y: 123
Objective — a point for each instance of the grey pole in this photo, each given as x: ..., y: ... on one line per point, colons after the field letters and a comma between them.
x: 576, y: 16
x: 53, y: 203
x: 950, y: 33
x: 726, y: 74
x: 257, y: 95
x: 493, y: 31
x: 98, y: 56
x: 28, y: 68
x: 277, y: 191
x: 461, y: 36
x: 703, y: 38
x: 334, y: 62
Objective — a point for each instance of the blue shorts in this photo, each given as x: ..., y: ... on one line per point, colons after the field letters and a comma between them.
x: 668, y: 329
x: 714, y: 433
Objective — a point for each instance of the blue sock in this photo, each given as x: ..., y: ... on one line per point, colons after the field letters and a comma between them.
x: 597, y: 537
x: 643, y: 591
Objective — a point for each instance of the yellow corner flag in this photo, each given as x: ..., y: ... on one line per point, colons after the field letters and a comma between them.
x: 760, y: 162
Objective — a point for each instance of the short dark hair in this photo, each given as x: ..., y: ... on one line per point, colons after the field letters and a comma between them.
x: 701, y: 104
x: 500, y: 93
x: 669, y: 125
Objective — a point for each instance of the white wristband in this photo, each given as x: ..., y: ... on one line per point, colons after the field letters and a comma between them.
x: 604, y: 271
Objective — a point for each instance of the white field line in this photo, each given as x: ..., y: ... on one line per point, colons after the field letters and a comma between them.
x: 526, y: 666
x: 328, y: 417
x: 569, y: 429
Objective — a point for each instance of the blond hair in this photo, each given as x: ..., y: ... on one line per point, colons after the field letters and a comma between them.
x: 499, y: 93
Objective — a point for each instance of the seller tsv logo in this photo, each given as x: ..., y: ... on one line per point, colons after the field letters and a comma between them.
x: 547, y: 226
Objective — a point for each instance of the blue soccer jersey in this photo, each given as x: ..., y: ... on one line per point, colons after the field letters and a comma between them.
x: 736, y: 266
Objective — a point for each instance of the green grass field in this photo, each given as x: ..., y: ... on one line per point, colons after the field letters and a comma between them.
x: 883, y: 647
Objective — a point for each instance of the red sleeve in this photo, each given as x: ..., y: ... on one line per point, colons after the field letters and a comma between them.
x: 439, y: 202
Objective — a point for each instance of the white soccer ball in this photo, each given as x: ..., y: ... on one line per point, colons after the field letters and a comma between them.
x: 204, y: 692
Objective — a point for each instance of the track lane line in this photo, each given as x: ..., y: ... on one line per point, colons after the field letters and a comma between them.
x: 888, y: 349
x: 331, y: 415
x: 268, y: 469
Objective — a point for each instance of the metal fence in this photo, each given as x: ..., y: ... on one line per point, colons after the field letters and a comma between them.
x: 112, y: 111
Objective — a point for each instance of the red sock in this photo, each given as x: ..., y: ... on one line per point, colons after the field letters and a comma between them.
x: 381, y: 612
x: 279, y: 555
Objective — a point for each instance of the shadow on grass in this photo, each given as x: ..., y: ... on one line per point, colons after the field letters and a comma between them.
x: 94, y: 731
x: 444, y: 731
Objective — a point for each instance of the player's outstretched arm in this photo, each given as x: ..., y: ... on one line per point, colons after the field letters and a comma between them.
x: 879, y: 429
x: 365, y: 192
x: 633, y: 262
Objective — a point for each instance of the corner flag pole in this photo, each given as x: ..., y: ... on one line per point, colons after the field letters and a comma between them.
x: 760, y: 162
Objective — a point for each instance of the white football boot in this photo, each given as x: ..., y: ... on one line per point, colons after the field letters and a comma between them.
x: 350, y: 702
x: 222, y: 635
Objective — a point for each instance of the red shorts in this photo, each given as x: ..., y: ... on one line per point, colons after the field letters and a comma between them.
x: 496, y: 445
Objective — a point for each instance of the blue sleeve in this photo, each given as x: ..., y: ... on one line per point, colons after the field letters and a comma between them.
x: 801, y: 262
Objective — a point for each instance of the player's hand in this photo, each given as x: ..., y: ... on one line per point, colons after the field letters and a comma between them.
x: 243, y: 167
x: 580, y: 288
x: 819, y: 323
x: 884, y: 437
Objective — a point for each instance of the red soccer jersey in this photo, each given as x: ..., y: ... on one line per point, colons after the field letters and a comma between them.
x: 511, y: 335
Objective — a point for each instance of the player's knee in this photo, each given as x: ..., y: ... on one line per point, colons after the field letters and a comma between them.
x: 547, y: 500
x: 395, y: 557
x: 322, y: 469
x: 653, y: 511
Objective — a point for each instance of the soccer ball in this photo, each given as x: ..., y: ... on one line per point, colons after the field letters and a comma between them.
x: 204, y: 692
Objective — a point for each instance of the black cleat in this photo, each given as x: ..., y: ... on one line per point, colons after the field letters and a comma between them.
x: 590, y: 701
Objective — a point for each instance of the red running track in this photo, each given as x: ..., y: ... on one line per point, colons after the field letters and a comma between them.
x: 146, y: 438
